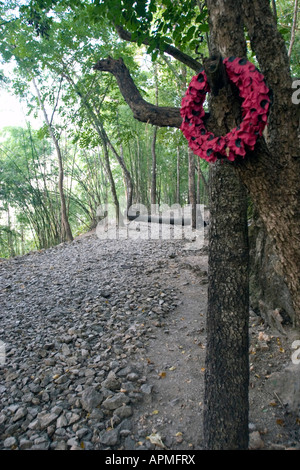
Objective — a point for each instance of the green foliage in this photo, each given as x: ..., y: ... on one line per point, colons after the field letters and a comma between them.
x: 57, y: 42
x: 285, y: 10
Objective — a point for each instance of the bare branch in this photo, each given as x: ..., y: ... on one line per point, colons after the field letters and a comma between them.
x: 274, y: 10
x: 142, y: 110
x: 57, y: 100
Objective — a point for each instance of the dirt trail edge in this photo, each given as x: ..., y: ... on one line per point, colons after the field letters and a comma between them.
x: 175, y: 363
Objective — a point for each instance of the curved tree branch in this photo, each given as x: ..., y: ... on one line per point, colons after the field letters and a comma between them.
x: 168, y: 49
x: 142, y: 109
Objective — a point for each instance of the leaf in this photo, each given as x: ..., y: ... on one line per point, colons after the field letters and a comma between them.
x: 204, y: 28
x: 190, y: 33
x: 162, y: 375
x: 156, y: 440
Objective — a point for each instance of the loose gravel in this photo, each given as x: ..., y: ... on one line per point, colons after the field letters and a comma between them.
x: 75, y: 320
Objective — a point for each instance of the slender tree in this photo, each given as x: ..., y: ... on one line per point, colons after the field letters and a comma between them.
x: 66, y: 228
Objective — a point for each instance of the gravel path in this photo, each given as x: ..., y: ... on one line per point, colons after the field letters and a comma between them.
x: 105, y: 349
x: 76, y: 320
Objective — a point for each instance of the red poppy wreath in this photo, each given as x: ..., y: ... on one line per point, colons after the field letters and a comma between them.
x: 256, y: 102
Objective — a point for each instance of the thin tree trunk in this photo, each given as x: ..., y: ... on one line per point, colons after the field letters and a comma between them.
x: 153, y: 179
x: 126, y: 173
x: 10, y: 242
x: 178, y: 176
x: 128, y: 180
x: 66, y: 229
x: 192, y: 186
x: 98, y: 126
x: 153, y: 144
x: 294, y: 26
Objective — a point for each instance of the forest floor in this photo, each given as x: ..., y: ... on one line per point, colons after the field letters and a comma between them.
x: 105, y: 349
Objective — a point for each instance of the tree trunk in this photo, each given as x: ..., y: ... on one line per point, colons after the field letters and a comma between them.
x: 128, y: 180
x: 227, y: 367
x: 65, y: 228
x: 111, y: 180
x: 153, y: 178
x: 98, y: 126
x: 192, y: 186
x: 227, y: 371
x: 10, y: 242
x: 178, y: 176
x: 126, y: 174
x: 204, y: 182
x: 153, y: 145
x: 271, y: 173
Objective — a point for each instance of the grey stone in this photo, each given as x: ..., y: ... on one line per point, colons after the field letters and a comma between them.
x: 115, y: 401
x: 255, y: 441
x: 25, y: 444
x: 147, y: 389
x: 72, y: 418
x: 133, y: 377
x: 111, y: 382
x: 10, y: 442
x: 90, y: 399
x: 129, y: 443
x: 61, y: 421
x: 286, y: 384
x: 35, y: 424
x: 124, y: 411
x: 110, y: 437
x: 20, y: 413
x: 46, y: 419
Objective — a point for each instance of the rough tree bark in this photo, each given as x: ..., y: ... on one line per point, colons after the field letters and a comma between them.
x: 271, y: 173
x: 227, y: 357
x: 227, y: 367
